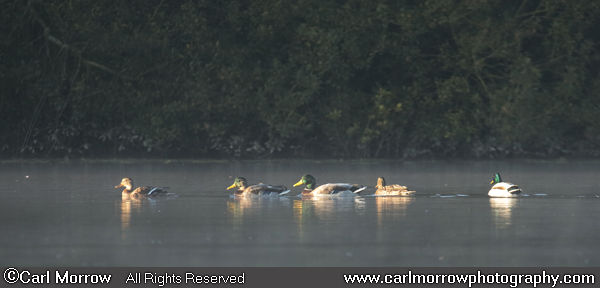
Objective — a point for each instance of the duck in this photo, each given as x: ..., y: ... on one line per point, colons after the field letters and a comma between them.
x: 148, y: 191
x: 326, y: 189
x: 503, y: 189
x: 391, y: 190
x: 259, y: 189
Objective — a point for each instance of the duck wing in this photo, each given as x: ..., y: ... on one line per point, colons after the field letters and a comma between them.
x: 265, y: 189
x: 509, y: 187
x: 513, y: 189
x: 356, y: 188
x: 151, y: 191
x: 281, y: 189
x: 334, y: 188
x: 394, y: 188
x: 393, y: 191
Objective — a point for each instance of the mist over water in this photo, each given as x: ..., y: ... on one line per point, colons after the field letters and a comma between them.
x: 69, y: 214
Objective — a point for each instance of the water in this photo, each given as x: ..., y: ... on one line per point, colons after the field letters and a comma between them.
x: 69, y: 214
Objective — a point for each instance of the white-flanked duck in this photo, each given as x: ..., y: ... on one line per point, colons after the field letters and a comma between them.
x: 503, y: 189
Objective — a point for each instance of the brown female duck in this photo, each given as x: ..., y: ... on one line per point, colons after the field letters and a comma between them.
x: 142, y: 191
x: 391, y: 190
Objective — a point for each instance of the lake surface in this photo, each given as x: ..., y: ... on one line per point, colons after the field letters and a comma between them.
x: 69, y: 214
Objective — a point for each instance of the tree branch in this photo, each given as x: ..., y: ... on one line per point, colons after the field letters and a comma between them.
x: 50, y: 38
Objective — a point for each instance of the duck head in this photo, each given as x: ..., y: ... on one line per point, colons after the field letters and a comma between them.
x: 127, y: 183
x: 239, y: 182
x: 380, y: 183
x: 496, y: 179
x: 307, y: 180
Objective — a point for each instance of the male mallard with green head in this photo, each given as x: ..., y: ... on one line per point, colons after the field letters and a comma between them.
x: 393, y: 189
x: 142, y: 191
x: 259, y: 189
x: 503, y: 189
x: 326, y: 189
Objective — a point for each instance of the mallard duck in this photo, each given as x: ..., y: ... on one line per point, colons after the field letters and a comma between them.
x: 393, y: 189
x: 143, y: 191
x: 326, y: 189
x: 259, y: 189
x: 503, y: 189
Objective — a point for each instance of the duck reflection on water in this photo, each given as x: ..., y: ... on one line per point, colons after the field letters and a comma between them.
x: 246, y: 206
x: 324, y: 210
x: 128, y: 206
x: 132, y: 205
x: 391, y: 208
x: 502, y: 209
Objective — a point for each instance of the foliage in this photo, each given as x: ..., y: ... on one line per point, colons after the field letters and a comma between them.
x: 308, y: 78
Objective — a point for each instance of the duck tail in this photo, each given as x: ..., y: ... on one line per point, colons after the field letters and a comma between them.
x: 360, y: 189
x: 157, y: 190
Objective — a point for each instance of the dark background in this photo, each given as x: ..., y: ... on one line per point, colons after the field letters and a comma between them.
x: 315, y: 78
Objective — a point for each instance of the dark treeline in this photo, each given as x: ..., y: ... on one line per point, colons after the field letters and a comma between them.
x: 307, y: 78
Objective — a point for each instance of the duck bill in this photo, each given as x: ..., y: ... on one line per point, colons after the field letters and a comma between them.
x: 492, y: 182
x: 119, y: 186
x: 232, y: 186
x: 298, y: 183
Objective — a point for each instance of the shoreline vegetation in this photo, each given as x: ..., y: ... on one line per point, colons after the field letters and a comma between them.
x: 366, y: 161
x: 273, y: 79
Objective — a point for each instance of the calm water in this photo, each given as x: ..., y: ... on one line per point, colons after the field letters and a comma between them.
x: 68, y: 214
